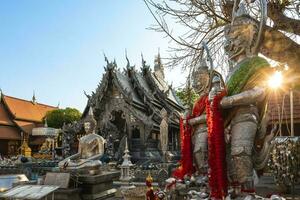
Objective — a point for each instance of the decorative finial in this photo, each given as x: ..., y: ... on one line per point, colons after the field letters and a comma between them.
x: 33, y: 98
x: 87, y: 95
x: 115, y: 63
x: 128, y: 63
x: 105, y: 58
x: 143, y: 61
x: 158, y: 67
x: 91, y: 113
x: 126, y: 145
x: 158, y: 56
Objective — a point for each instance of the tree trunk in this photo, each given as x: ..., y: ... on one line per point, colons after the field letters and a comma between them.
x: 279, y: 47
x: 281, y: 21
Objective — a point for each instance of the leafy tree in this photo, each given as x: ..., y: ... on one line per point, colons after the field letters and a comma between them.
x: 187, y: 96
x: 204, y: 20
x: 57, y: 118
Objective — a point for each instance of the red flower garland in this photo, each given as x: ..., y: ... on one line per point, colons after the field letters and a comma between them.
x: 186, y: 163
x: 216, y: 148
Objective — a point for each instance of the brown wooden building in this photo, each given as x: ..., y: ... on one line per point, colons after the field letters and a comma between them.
x: 17, y: 118
x: 280, y: 111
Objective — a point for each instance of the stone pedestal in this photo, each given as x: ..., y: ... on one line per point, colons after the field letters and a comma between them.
x: 98, y: 186
x: 66, y: 194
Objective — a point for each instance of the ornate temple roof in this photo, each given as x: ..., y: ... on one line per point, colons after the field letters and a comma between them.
x: 146, y: 91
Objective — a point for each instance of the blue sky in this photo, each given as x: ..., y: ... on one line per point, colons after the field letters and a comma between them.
x: 55, y: 47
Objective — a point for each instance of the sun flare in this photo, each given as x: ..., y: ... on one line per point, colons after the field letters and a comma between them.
x: 275, y: 80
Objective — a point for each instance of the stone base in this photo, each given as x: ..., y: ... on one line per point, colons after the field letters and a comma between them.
x: 98, y: 186
x: 66, y: 194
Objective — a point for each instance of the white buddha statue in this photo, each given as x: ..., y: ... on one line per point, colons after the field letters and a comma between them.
x: 90, y: 148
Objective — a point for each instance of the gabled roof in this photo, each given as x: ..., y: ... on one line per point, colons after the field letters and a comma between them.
x: 145, y: 92
x: 26, y: 110
x: 4, y: 116
x: 25, y: 126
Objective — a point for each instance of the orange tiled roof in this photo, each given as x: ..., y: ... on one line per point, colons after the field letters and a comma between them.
x: 4, y: 116
x: 25, y: 126
x: 26, y: 110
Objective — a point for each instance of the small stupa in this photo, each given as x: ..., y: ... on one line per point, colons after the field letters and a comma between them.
x: 125, y: 167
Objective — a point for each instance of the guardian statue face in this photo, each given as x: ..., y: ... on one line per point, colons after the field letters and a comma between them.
x: 241, y: 37
x: 200, y: 78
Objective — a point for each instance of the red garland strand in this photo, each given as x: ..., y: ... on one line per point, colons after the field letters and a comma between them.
x: 186, y: 163
x: 199, y: 106
x: 216, y: 148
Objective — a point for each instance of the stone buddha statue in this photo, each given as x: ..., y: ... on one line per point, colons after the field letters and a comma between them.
x: 90, y: 149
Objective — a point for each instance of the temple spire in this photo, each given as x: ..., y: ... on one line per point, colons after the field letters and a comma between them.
x: 33, y: 98
x: 158, y: 67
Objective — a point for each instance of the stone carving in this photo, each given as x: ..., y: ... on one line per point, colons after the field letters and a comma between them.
x: 90, y: 149
x: 69, y: 134
x: 121, y: 149
x: 164, y: 131
x: 111, y: 133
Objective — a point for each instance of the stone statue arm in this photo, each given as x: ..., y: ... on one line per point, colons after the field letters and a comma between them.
x: 100, y: 150
x: 70, y: 158
x: 247, y: 97
x: 94, y: 157
x: 197, y: 120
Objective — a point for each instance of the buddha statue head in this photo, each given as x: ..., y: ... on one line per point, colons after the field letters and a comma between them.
x: 90, y: 122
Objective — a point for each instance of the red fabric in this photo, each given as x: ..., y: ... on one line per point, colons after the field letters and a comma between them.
x: 186, y: 163
x: 216, y: 148
x: 148, y: 183
x: 150, y: 195
x: 199, y: 106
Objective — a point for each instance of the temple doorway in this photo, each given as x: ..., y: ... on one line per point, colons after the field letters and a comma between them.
x: 118, y: 143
